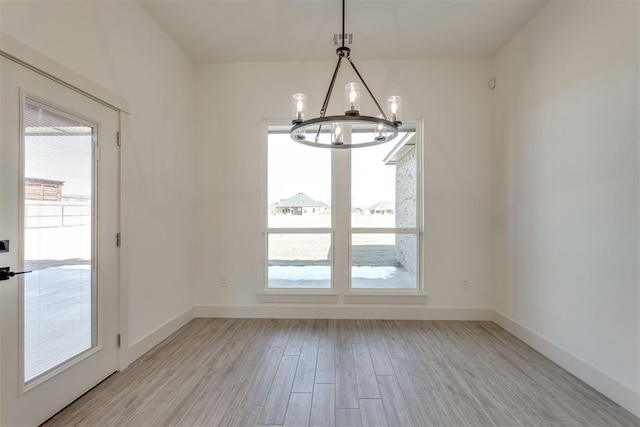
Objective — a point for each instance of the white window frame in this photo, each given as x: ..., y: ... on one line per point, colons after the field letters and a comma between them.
x: 341, y: 236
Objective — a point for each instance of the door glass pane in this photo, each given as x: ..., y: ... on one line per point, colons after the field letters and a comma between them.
x: 299, y: 261
x: 383, y: 261
x: 299, y: 184
x: 58, y: 245
x: 383, y: 184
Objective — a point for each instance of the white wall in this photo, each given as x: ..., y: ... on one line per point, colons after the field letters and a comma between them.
x: 566, y: 163
x: 118, y: 46
x: 450, y: 94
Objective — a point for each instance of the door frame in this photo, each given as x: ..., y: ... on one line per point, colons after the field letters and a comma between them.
x: 36, y: 61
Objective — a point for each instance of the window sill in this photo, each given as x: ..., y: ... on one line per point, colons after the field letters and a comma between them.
x: 319, y: 297
x: 298, y: 297
x: 385, y: 298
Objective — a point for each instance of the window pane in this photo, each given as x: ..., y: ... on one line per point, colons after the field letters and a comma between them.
x: 58, y: 195
x: 299, y: 261
x: 383, y: 184
x: 383, y: 261
x: 299, y: 184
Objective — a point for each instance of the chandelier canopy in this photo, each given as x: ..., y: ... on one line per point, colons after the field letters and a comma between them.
x: 352, y: 129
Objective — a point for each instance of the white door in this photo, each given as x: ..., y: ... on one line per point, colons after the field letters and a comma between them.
x: 59, y: 212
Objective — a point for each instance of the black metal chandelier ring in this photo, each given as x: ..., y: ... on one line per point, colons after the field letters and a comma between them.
x: 384, y: 130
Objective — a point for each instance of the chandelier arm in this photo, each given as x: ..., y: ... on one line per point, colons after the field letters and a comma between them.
x: 333, y: 81
x: 367, y: 87
x: 343, y: 33
x: 325, y: 105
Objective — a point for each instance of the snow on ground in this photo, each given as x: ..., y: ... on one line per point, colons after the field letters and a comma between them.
x: 319, y: 276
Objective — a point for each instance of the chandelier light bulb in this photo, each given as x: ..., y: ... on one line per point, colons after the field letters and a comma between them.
x: 299, y: 107
x: 352, y: 98
x: 379, y: 131
x: 337, y: 136
x: 393, y: 105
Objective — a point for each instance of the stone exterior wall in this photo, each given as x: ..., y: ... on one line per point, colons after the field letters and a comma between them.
x: 406, y: 209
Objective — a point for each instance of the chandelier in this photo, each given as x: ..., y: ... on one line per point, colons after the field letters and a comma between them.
x: 352, y: 129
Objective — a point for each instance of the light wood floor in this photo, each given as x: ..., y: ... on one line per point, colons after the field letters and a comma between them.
x: 245, y: 372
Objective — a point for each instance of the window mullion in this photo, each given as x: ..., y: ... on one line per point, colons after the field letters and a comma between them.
x: 341, y: 207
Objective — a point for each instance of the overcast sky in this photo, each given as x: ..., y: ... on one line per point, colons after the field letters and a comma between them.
x: 296, y: 168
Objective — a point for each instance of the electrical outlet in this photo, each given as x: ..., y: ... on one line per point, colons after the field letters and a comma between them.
x: 466, y: 283
x: 224, y: 283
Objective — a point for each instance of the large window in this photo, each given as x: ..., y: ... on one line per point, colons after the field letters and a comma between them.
x: 362, y: 236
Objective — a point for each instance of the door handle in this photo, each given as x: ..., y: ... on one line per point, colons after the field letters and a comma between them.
x: 6, y: 274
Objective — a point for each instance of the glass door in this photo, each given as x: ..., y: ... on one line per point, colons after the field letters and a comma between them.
x: 59, y: 213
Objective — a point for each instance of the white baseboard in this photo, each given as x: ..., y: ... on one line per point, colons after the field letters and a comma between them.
x: 140, y: 347
x: 610, y: 387
x: 370, y: 311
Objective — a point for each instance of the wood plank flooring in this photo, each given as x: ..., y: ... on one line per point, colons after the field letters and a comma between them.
x: 248, y: 372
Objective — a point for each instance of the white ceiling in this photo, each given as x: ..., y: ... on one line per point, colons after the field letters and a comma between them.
x: 285, y: 30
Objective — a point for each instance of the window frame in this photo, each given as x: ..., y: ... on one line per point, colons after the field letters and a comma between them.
x: 341, y: 232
